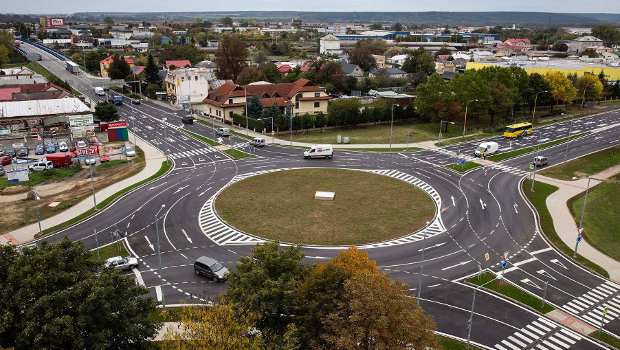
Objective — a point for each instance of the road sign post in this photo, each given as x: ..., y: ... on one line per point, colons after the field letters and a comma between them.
x: 577, y: 241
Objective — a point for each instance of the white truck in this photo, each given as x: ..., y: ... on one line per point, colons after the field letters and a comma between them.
x: 486, y: 149
x: 99, y: 91
x: 319, y: 151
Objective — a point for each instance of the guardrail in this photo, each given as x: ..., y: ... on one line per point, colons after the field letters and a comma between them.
x: 49, y: 50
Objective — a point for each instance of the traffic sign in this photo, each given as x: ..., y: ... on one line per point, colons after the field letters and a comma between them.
x: 503, y: 264
x: 487, y: 256
x: 460, y: 161
x: 531, y: 166
x: 579, y: 237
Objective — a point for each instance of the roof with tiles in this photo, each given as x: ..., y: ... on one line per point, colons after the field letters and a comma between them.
x: 281, y: 90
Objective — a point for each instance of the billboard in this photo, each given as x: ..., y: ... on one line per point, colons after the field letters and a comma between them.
x: 55, y: 22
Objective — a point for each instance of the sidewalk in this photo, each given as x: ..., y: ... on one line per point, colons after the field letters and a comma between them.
x: 565, y: 225
x: 153, y: 159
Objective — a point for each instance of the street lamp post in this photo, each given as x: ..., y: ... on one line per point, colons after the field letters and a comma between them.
x: 157, y: 233
x: 422, y: 266
x: 92, y: 185
x: 535, y: 103
x: 38, y: 198
x: 465, y: 120
x: 392, y: 125
x: 471, y: 312
x: 441, y: 127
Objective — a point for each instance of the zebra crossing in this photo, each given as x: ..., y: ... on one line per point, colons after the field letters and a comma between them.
x: 496, y: 166
x: 540, y: 334
x: 599, y: 305
x: 191, y: 152
x: 222, y: 234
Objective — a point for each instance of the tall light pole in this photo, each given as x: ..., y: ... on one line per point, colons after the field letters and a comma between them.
x: 38, y: 198
x: 392, y: 125
x: 422, y: 266
x: 465, y: 120
x: 157, y: 233
x: 471, y: 312
x: 247, y: 123
x: 92, y: 185
x: 535, y: 102
x: 441, y: 127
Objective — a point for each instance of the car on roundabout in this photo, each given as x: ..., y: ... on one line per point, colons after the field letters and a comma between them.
x: 211, y: 269
x: 122, y: 263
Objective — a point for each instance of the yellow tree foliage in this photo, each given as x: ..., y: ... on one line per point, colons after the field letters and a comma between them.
x: 353, y: 261
x: 589, y: 87
x: 213, y: 327
x: 377, y: 313
x: 562, y: 88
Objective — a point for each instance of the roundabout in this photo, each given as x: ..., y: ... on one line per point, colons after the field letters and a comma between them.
x: 367, y: 207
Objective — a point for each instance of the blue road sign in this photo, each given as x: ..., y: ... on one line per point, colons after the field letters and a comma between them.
x: 503, y: 264
x: 579, y: 238
x: 460, y: 161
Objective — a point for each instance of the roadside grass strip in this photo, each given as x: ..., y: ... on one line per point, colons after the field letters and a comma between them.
x: 237, y: 154
x: 538, y: 199
x: 506, y: 289
x: 606, y: 338
x: 521, y: 151
x: 454, y: 344
x: 199, y: 137
x: 232, y: 153
x: 165, y: 167
x: 587, y: 165
x: 100, y: 255
x: 462, y: 168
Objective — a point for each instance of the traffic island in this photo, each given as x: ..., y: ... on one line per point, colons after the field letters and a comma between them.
x: 281, y: 206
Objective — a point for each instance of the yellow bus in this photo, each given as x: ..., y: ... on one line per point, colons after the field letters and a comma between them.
x: 516, y: 130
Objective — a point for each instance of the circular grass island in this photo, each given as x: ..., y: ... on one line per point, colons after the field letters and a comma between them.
x: 367, y: 207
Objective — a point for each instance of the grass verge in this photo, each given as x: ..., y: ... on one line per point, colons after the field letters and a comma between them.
x: 461, y: 168
x: 606, y: 338
x: 115, y: 249
x: 521, y: 151
x: 39, y: 177
x: 200, y: 138
x: 237, y: 154
x: 586, y: 165
x: 601, y: 221
x: 381, y: 150
x: 366, y: 208
x: 508, y: 290
x: 165, y: 166
x: 453, y: 344
x: 459, y: 139
x: 538, y: 199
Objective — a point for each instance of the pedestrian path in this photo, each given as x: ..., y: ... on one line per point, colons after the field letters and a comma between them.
x: 540, y: 334
x: 222, y: 234
x: 191, y: 152
x: 599, y: 306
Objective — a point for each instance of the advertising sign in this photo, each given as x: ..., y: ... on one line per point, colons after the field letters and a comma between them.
x: 87, y: 151
x: 80, y: 120
x: 55, y: 22
x: 116, y: 125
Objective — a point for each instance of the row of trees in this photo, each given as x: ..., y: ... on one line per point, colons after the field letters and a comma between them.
x: 495, y: 94
x: 346, y: 303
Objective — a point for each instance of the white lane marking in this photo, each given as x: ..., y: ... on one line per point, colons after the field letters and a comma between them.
x: 203, y: 192
x: 158, y: 293
x: 482, y: 204
x: 515, y: 206
x: 161, y: 184
x: 541, y: 251
x: 434, y: 285
x: 523, y: 262
x: 138, y: 276
x: 453, y: 202
x: 431, y: 247
x: 181, y: 188
x: 186, y: 236
x: 457, y: 265
x: 557, y: 262
x: 129, y: 223
x: 149, y: 243
x: 530, y: 283
x: 402, y: 155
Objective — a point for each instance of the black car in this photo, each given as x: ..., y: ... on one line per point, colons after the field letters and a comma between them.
x: 23, y: 152
x: 10, y: 152
x: 210, y: 268
x: 187, y: 119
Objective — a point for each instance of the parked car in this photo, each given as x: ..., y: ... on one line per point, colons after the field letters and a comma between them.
x: 319, y: 151
x: 136, y: 101
x: 39, y: 149
x: 104, y: 158
x: 10, y: 152
x: 23, y: 152
x: 90, y: 160
x: 50, y: 148
x: 41, y: 165
x: 129, y: 151
x: 62, y: 147
x: 121, y: 263
x: 258, y: 142
x: 2, y: 171
x: 540, y: 161
x: 210, y: 268
x: 225, y: 132
x: 6, y: 160
x: 81, y: 144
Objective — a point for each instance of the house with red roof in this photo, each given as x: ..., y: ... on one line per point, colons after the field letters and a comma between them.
x: 301, y: 96
x: 104, y: 64
x: 174, y: 64
x: 514, y: 46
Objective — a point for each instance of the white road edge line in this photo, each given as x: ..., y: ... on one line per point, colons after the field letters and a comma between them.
x: 138, y: 276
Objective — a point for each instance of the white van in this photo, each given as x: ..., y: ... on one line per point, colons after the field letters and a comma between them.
x: 223, y: 132
x: 258, y: 142
x: 319, y: 151
x: 486, y: 149
x: 99, y: 91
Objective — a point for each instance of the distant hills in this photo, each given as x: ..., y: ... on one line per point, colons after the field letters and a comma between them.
x: 423, y: 18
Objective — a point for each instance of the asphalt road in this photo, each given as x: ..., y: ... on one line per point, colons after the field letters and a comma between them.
x: 485, y: 217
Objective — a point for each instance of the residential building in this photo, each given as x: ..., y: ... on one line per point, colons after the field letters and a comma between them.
x: 330, y: 45
x: 187, y: 85
x: 393, y: 73
x: 300, y: 97
x: 174, y: 64
x: 104, y: 64
x: 397, y: 60
x: 351, y: 70
x: 380, y: 61
x: 26, y: 92
x: 512, y: 47
x: 582, y: 43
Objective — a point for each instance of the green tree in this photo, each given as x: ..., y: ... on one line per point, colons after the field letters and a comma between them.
x: 255, y: 109
x: 4, y: 55
x: 119, y: 69
x: 362, y: 53
x: 226, y: 21
x: 250, y: 74
x: 230, y: 57
x: 92, y: 60
x: 376, y: 26
x: 420, y: 64
x: 537, y: 85
x: 52, y: 296
x: 106, y: 112
x: 589, y: 87
x: 343, y: 112
x: 562, y: 88
x: 432, y: 97
x: 151, y: 71
x: 397, y: 27
x: 109, y: 21
x: 608, y: 33
x: 262, y: 288
x: 182, y: 52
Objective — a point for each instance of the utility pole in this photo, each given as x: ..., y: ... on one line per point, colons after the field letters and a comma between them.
x: 392, y: 125
x: 465, y: 121
x: 157, y: 233
x: 535, y: 102
x: 92, y: 184
x: 422, y: 266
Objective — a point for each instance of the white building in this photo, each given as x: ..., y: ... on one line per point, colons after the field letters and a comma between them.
x: 585, y: 42
x: 397, y: 60
x: 329, y: 45
x: 188, y: 85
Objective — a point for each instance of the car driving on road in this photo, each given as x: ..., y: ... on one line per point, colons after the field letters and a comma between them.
x: 210, y: 268
x: 122, y: 263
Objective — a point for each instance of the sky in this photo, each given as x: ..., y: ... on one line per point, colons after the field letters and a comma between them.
x: 71, y: 6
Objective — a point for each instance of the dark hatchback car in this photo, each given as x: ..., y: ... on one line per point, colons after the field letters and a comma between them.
x: 210, y: 268
x: 39, y: 149
x: 187, y: 119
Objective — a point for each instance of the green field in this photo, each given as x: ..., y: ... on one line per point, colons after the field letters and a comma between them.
x: 367, y: 207
x: 237, y: 154
x: 115, y: 249
x: 538, y: 199
x: 405, y: 132
x: 46, y: 176
x: 601, y: 220
x: 584, y: 166
x: 464, y: 167
x: 606, y: 338
x: 508, y: 290
x: 521, y: 151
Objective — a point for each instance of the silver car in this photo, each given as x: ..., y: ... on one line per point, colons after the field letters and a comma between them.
x: 122, y: 263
